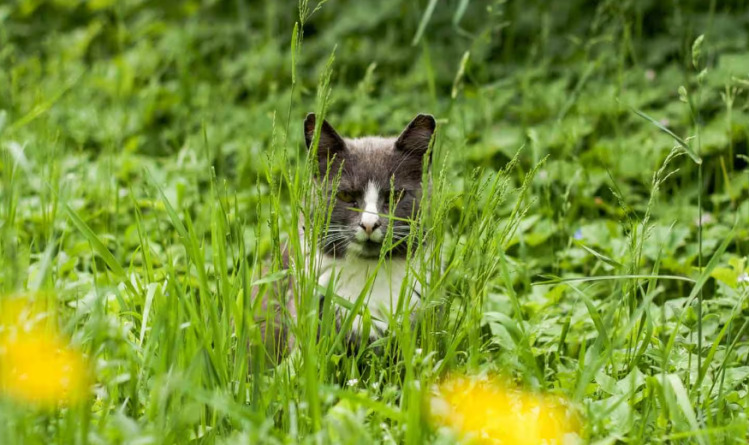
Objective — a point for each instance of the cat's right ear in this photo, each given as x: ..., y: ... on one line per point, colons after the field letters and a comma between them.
x: 330, y: 142
x: 416, y: 137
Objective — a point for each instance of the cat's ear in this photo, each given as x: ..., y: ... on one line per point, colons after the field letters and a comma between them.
x: 417, y: 135
x: 330, y: 141
x: 330, y: 147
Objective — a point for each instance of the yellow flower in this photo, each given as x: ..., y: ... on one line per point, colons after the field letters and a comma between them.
x: 14, y: 312
x: 36, y: 364
x: 494, y: 413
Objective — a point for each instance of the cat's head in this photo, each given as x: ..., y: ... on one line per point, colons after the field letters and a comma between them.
x: 371, y: 170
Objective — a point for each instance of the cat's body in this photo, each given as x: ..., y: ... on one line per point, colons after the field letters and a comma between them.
x: 350, y: 274
x: 373, y: 207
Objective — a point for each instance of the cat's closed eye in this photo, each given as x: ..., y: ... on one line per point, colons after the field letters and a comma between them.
x: 348, y: 197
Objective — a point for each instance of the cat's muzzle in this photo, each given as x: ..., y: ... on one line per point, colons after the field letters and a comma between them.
x: 367, y: 244
x: 366, y: 236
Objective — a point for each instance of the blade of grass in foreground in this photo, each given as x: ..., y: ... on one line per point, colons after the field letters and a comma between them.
x: 612, y: 277
x: 100, y: 248
x: 682, y: 143
x: 424, y: 21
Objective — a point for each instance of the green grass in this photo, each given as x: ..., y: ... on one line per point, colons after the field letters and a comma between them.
x: 152, y: 169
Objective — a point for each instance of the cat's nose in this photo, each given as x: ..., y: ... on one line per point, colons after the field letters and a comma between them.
x: 370, y: 226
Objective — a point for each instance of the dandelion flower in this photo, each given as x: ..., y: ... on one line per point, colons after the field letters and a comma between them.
x: 37, y: 365
x: 493, y: 413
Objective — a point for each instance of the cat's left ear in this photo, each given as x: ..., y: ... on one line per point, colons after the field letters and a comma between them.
x: 417, y: 135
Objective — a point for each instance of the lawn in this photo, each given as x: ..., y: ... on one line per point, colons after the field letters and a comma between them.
x: 587, y: 228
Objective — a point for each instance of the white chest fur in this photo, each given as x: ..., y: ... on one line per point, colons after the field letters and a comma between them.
x: 351, y: 276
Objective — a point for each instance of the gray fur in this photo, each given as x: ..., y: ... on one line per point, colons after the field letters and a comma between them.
x: 377, y: 160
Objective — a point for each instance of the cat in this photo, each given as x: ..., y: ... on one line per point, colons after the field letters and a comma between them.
x: 372, y: 174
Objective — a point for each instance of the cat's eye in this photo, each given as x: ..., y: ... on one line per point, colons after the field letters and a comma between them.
x: 346, y: 197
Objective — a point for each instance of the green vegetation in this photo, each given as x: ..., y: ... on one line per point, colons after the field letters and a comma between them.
x: 589, y: 210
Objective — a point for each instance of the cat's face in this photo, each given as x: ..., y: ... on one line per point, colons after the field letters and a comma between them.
x: 378, y: 177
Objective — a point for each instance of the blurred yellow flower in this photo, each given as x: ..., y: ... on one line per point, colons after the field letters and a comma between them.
x: 491, y: 412
x: 15, y: 312
x: 36, y: 364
